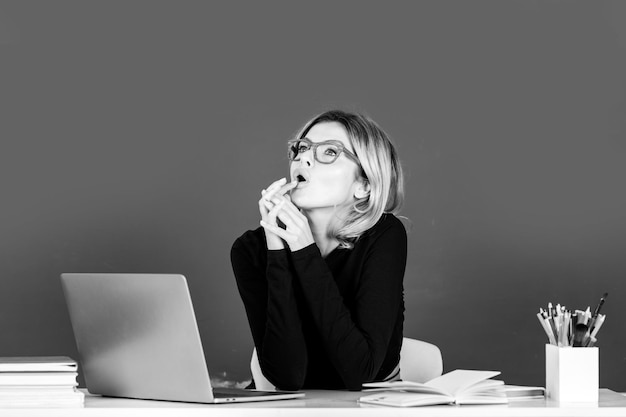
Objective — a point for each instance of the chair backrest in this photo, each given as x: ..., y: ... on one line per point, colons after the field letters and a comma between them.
x: 260, y: 382
x: 419, y: 362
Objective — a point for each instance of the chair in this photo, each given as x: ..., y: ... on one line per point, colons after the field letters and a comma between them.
x: 419, y: 362
x: 260, y: 382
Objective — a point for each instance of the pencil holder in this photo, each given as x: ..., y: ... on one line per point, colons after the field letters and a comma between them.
x: 572, y: 373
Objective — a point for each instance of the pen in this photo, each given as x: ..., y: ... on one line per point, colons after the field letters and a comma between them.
x: 598, y: 323
x: 565, y: 325
x: 576, y: 328
x: 553, y: 329
x: 592, y: 342
x: 546, y: 328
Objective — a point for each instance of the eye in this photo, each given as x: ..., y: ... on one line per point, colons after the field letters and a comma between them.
x: 302, y: 147
x: 330, y: 151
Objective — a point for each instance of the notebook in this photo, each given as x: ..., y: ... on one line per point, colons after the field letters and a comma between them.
x: 461, y: 386
x: 137, y: 337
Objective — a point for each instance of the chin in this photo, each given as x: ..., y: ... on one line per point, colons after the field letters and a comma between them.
x: 299, y: 202
x: 302, y: 202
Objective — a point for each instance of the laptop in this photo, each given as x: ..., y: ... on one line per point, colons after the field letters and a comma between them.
x: 137, y: 337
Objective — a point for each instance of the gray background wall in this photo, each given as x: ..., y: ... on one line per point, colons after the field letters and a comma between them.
x: 136, y: 137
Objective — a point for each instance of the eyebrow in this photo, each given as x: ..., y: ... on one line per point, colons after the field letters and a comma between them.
x: 329, y: 140
x: 325, y: 140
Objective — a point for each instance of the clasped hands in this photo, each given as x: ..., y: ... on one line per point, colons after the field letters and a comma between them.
x: 275, y: 205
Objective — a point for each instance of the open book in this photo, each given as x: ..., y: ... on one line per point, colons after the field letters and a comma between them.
x: 457, y: 387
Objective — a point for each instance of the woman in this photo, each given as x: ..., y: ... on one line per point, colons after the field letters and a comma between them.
x: 321, y: 279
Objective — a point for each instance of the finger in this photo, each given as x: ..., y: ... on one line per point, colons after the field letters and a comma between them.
x: 278, y: 189
x: 288, y: 187
x: 292, y: 221
x: 289, y: 206
x: 262, y: 208
x: 265, y: 206
x: 273, y: 213
x: 288, y: 221
x: 282, y: 197
x: 288, y: 218
x: 268, y: 205
x: 274, y: 186
x: 277, y: 199
x: 284, y: 234
x: 270, y: 193
x: 278, y: 183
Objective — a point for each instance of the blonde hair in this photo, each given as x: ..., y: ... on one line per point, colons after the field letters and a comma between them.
x: 380, y: 167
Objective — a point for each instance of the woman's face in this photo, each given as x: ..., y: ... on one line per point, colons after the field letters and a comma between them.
x: 325, y: 185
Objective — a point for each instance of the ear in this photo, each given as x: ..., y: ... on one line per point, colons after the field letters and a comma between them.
x: 362, y: 189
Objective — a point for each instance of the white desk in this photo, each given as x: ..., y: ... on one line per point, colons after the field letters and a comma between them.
x: 326, y: 404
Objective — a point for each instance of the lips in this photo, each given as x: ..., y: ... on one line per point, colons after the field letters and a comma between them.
x: 301, y: 176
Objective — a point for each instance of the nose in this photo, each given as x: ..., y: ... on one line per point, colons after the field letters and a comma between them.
x: 307, y: 158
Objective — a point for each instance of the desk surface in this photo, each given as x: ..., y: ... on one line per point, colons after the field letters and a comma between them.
x: 327, y: 404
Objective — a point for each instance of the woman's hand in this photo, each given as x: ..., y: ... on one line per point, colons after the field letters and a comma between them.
x: 297, y: 232
x: 271, y: 196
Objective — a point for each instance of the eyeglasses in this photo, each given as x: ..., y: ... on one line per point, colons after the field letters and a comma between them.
x: 325, y: 152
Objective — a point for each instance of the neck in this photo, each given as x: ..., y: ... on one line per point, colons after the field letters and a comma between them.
x: 319, y: 220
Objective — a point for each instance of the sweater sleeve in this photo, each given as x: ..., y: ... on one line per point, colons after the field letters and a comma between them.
x: 356, y: 340
x: 269, y: 300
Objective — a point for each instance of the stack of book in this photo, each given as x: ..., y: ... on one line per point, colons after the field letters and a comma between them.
x: 39, y: 381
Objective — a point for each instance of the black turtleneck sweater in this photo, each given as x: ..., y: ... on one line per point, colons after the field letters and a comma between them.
x: 325, y: 323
